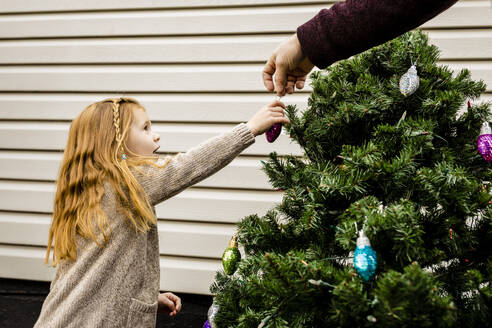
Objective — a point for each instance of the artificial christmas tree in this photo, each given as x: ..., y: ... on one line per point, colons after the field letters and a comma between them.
x: 399, y: 169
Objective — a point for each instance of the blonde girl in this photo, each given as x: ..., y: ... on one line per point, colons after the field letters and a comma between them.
x: 104, y: 227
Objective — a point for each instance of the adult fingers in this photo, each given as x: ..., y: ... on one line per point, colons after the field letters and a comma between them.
x: 291, y: 80
x: 280, y: 77
x: 300, y: 82
x: 303, y: 69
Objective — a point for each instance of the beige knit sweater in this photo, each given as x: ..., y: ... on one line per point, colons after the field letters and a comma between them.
x: 117, y: 286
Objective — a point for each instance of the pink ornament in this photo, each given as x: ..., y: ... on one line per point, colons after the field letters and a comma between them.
x: 273, y: 133
x: 484, y: 142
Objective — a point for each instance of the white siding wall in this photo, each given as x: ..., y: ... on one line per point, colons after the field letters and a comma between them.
x: 195, y: 65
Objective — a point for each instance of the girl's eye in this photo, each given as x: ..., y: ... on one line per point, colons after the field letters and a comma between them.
x: 146, y: 127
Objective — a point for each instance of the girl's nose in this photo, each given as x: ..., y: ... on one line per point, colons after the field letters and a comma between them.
x: 157, y: 137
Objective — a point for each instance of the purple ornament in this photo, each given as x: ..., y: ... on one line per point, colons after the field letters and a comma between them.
x: 484, y: 142
x: 273, y: 133
x: 206, y: 324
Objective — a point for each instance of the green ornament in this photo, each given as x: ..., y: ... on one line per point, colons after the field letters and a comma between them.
x: 231, y: 257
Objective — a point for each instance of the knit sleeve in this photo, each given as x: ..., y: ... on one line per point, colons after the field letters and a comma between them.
x: 186, y: 169
x: 350, y: 27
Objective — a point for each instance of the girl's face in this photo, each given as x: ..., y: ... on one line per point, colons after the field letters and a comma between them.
x: 141, y: 140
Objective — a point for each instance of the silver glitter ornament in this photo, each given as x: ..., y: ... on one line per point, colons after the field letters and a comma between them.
x: 212, y: 311
x: 409, y: 82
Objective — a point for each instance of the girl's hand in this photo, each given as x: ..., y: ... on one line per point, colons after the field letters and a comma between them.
x: 168, y: 303
x: 266, y: 117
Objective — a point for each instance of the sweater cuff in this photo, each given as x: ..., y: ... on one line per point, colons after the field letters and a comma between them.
x: 244, y: 134
x: 314, y: 41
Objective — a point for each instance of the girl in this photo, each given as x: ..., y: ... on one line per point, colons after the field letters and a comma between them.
x: 104, y: 225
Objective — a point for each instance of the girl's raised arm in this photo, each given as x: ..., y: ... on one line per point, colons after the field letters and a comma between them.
x: 186, y: 169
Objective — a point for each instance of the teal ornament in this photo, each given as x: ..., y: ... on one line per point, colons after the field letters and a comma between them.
x: 409, y: 82
x: 212, y: 312
x: 365, y: 259
x: 123, y: 156
x: 231, y: 257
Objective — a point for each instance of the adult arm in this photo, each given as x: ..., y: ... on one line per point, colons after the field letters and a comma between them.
x: 350, y: 27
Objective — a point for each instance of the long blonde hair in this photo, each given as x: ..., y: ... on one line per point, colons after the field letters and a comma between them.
x: 93, y: 155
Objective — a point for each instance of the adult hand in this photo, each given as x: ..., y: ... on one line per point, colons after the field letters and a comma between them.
x: 168, y: 303
x: 290, y: 67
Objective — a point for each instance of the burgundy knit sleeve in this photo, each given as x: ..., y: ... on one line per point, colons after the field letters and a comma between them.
x: 350, y: 27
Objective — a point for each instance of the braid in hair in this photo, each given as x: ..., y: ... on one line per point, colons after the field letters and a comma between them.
x: 116, y: 123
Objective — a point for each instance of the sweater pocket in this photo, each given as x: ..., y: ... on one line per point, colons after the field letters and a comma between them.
x: 141, y: 314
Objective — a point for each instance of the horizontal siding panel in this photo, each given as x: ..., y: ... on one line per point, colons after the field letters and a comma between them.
x: 276, y: 19
x: 228, y: 206
x: 241, y: 173
x: 140, y: 50
x: 134, y: 78
x: 20, y: 6
x: 26, y: 196
x: 188, y: 275
x: 197, y: 239
x: 158, y: 22
x: 43, y: 166
x: 24, y: 228
x: 161, y: 78
x: 487, y: 97
x: 193, y: 204
x: 464, y: 14
x: 226, y: 108
x: 174, y: 137
x: 463, y: 44
x: 180, y: 275
x: 480, y: 70
x: 194, y: 238
x: 24, y: 262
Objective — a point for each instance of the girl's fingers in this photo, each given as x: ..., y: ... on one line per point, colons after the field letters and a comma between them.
x: 170, y: 305
x: 178, y: 304
x: 172, y: 297
x: 277, y: 109
x: 281, y: 119
x: 277, y: 103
